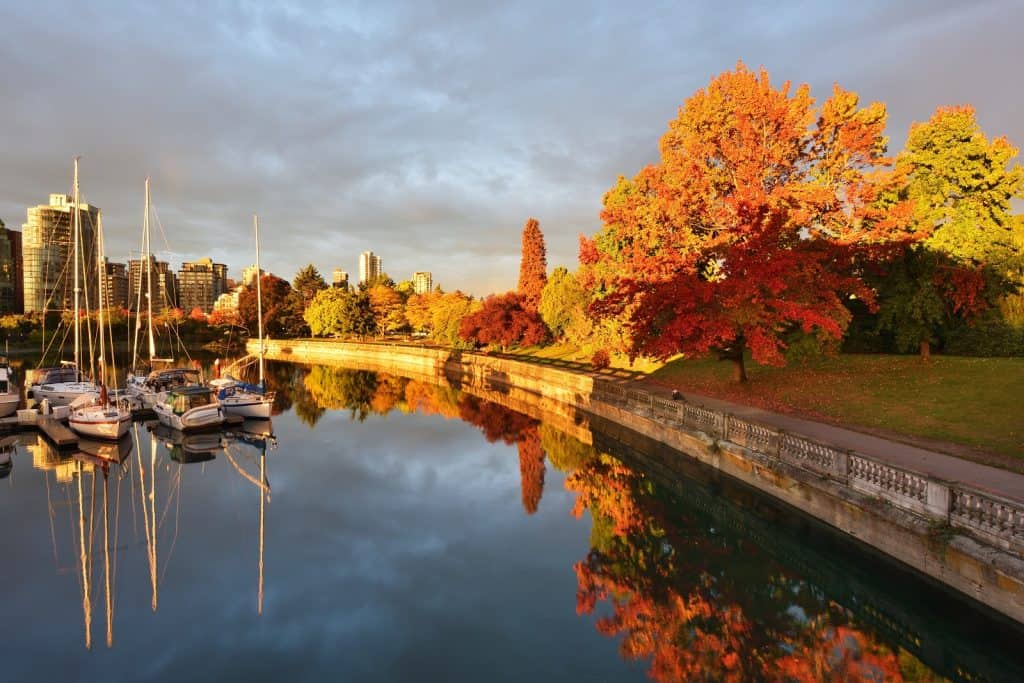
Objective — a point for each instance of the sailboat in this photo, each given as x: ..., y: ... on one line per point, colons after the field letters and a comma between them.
x: 235, y: 396
x: 146, y: 387
x: 10, y: 397
x: 64, y: 386
x: 93, y: 415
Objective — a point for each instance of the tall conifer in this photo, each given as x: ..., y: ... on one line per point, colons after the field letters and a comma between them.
x: 533, y: 269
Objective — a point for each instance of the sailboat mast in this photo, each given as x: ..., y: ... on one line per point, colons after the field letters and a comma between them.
x: 259, y: 294
x: 149, y: 279
x: 100, y: 272
x: 76, y: 227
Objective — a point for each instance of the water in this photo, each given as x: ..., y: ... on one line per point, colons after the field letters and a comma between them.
x: 414, y: 532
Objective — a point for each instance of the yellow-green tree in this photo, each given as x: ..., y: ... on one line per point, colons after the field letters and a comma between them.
x: 961, y: 185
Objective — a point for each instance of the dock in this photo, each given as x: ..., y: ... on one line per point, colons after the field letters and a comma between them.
x: 57, y: 432
x: 63, y: 438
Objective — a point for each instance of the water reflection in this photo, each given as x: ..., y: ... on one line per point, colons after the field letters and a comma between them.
x: 101, y: 482
x: 692, y: 576
x: 693, y: 600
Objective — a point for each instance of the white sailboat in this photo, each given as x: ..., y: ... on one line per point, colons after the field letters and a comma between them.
x: 235, y: 396
x: 61, y: 389
x: 93, y: 415
x: 145, y: 388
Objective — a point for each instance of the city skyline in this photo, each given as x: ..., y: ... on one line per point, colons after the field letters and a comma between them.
x: 406, y: 130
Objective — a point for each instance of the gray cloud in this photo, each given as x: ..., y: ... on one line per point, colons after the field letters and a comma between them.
x: 428, y: 131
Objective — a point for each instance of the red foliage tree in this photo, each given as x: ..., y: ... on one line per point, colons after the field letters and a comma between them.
x: 752, y: 224
x: 498, y: 423
x: 531, y: 469
x: 533, y: 268
x: 504, y: 320
x: 198, y: 315
x: 277, y: 306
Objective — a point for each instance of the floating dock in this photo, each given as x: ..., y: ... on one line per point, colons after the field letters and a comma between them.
x: 62, y: 437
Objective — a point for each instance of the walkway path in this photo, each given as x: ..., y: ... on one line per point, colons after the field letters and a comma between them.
x: 950, y: 468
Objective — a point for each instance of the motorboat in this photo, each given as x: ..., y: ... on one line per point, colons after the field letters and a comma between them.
x: 189, y: 408
x: 147, y: 390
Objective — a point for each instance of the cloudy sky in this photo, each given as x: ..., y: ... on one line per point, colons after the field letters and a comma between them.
x: 428, y: 131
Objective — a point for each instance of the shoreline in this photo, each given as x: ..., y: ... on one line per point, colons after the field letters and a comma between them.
x: 969, y: 539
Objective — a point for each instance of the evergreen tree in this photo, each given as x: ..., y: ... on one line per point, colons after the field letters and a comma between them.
x: 307, y: 283
x: 533, y: 268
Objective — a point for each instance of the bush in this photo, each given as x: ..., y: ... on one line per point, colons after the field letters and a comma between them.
x: 601, y: 359
x: 988, y: 337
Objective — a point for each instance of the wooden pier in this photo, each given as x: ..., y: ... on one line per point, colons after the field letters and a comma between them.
x: 57, y: 432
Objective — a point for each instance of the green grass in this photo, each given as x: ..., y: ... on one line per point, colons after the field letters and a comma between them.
x: 978, y: 402
x: 975, y: 402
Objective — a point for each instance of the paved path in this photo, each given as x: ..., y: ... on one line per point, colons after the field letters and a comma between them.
x: 939, y: 465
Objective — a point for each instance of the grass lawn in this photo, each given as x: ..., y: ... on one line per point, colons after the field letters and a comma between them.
x: 976, y: 402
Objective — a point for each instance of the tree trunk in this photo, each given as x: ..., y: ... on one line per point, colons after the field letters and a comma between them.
x: 926, y: 350
x: 735, y: 355
x: 739, y: 369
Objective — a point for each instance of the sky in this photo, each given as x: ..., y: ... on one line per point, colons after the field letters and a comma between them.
x: 428, y: 132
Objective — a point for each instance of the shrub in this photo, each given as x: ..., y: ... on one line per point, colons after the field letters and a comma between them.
x: 601, y: 359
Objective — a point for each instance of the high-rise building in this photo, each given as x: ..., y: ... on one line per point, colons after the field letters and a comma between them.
x: 422, y: 281
x: 340, y: 278
x: 12, y: 297
x: 370, y: 266
x: 115, y: 285
x: 47, y: 248
x: 200, y: 283
x: 249, y: 276
x: 164, y: 285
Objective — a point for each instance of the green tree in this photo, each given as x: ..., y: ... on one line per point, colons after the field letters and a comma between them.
x: 335, y: 312
x: 307, y: 283
x: 961, y: 185
x: 446, y: 314
x: 563, y: 303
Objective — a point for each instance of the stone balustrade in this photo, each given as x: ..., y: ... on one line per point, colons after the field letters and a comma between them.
x: 984, y: 515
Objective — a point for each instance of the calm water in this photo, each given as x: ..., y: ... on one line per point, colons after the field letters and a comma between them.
x: 395, y: 530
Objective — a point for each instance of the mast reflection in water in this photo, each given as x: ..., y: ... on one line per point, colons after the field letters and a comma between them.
x: 400, y: 545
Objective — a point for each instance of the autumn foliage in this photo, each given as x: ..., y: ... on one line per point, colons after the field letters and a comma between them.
x: 504, y: 321
x: 531, y: 469
x: 751, y: 224
x: 533, y: 267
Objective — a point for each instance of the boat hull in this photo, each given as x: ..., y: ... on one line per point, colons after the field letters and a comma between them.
x: 207, y: 417
x: 249, y: 408
x: 9, y: 404
x: 62, y: 394
x: 108, y: 428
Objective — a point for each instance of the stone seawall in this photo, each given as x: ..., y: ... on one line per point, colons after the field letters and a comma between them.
x: 965, y: 539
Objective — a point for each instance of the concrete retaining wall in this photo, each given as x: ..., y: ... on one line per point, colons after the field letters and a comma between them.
x: 962, y: 538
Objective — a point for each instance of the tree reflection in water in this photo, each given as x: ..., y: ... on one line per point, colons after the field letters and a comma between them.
x: 698, y: 603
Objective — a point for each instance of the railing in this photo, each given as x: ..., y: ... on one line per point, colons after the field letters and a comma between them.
x: 986, y: 516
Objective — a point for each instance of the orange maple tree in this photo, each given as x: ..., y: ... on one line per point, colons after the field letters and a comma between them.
x: 753, y: 223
